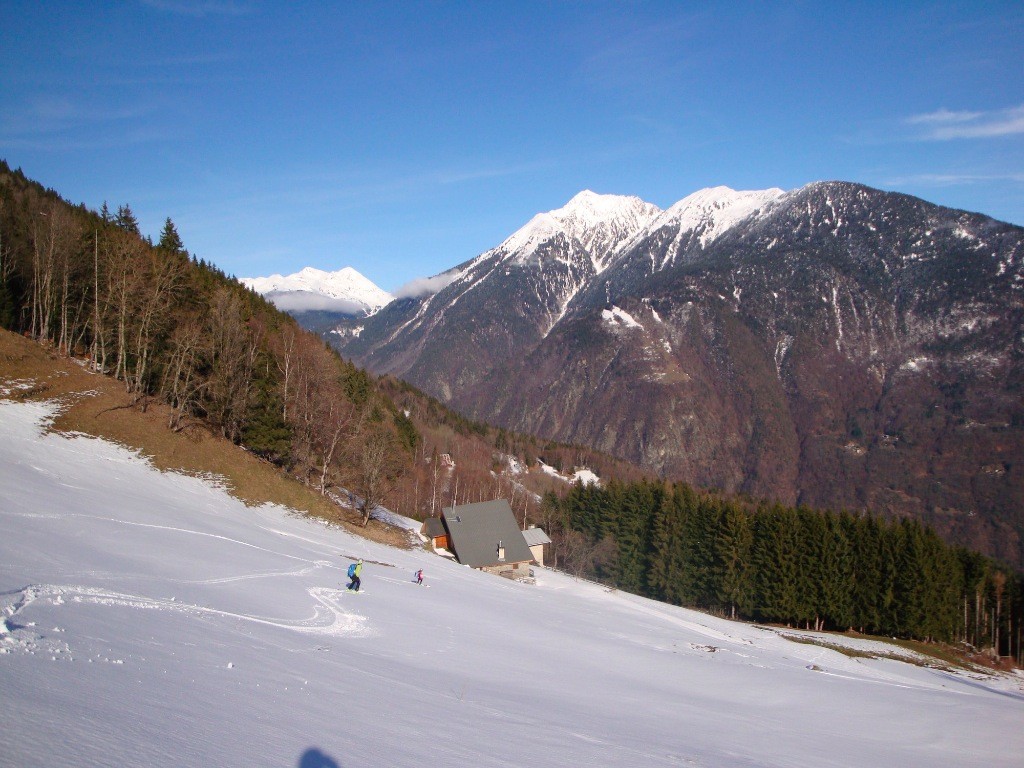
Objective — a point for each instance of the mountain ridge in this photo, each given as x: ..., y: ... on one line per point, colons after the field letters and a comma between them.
x: 783, y: 344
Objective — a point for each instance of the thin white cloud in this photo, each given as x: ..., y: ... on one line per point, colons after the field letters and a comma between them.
x: 624, y: 52
x: 57, y: 123
x: 424, y: 286
x: 307, y: 301
x: 947, y: 125
x: 44, y: 114
x: 944, y: 117
x: 487, y: 172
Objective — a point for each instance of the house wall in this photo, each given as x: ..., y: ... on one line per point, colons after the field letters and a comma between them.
x: 509, y: 570
x: 538, y: 553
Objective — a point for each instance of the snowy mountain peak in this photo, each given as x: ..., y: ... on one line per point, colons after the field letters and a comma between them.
x: 591, y: 209
x: 601, y: 223
x: 537, y: 230
x: 712, y: 211
x: 345, y: 290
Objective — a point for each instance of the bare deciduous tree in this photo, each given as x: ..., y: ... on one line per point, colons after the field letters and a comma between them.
x: 315, y: 406
x: 998, y: 588
x: 233, y: 349
x: 54, y: 231
x: 122, y: 254
x: 375, y: 463
x: 182, y: 383
x: 334, y: 424
x: 284, y: 344
x: 157, y: 289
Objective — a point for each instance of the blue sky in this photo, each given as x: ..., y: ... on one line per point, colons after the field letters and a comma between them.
x: 404, y: 138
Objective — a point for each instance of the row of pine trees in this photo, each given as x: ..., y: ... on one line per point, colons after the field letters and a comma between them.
x: 799, y: 567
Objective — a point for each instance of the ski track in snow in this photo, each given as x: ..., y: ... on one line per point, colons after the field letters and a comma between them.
x: 187, y: 531
x: 311, y: 566
x: 329, y: 618
x: 767, y: 639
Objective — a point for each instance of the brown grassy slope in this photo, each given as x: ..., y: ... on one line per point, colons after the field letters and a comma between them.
x: 98, y: 405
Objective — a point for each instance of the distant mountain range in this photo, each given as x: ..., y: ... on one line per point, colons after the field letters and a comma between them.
x: 345, y: 292
x: 835, y: 345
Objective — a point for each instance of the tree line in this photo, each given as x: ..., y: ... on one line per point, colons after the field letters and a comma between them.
x: 175, y: 329
x: 794, y: 566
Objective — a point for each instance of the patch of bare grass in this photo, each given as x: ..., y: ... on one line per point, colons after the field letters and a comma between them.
x: 931, y: 655
x: 846, y: 650
x: 958, y: 656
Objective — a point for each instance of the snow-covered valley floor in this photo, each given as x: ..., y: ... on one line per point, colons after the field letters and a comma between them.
x: 149, y: 618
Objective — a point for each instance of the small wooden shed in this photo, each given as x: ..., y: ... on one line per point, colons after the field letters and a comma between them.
x: 433, y: 528
x: 535, y: 540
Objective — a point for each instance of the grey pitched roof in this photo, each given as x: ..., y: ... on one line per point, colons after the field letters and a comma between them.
x: 433, y: 527
x: 535, y: 536
x: 475, y: 530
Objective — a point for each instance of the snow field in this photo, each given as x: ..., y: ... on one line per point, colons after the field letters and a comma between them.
x: 148, y: 618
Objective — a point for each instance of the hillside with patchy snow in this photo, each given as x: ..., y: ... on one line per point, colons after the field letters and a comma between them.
x: 149, y: 618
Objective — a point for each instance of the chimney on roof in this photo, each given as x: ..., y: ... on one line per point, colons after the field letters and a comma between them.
x: 501, y: 553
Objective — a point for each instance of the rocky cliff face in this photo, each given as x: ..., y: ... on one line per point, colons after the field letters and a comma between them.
x: 835, y: 346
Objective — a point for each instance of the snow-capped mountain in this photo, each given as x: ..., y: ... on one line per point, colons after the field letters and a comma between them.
x: 344, y: 292
x: 708, y: 214
x: 833, y: 345
x: 532, y: 280
x: 600, y: 223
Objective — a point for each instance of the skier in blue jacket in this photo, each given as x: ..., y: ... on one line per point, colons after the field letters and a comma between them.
x: 353, y: 573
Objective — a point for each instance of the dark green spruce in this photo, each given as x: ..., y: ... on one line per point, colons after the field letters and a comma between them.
x: 793, y: 566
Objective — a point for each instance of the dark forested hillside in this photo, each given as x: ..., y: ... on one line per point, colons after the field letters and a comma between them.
x: 174, y: 328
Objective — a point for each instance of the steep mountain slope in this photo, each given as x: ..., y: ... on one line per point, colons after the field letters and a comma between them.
x: 835, y: 345
x: 502, y: 302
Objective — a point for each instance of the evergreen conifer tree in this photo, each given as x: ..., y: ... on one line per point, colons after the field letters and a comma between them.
x: 838, y: 572
x: 638, y: 503
x: 733, y: 545
x: 169, y: 238
x: 775, y: 555
x: 126, y: 220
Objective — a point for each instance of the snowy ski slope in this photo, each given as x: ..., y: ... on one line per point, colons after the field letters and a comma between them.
x: 149, y: 618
